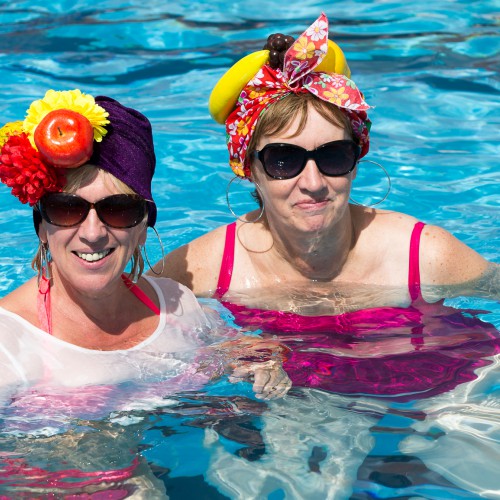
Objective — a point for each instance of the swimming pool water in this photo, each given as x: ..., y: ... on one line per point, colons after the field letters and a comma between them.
x: 431, y: 71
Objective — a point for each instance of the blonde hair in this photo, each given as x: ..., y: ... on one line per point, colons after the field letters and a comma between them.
x: 76, y: 178
x: 82, y: 176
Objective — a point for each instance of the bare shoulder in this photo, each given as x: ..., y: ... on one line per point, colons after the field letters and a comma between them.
x: 387, y: 233
x: 448, y: 267
x: 197, y: 264
x: 389, y: 222
x: 445, y: 260
x: 22, y: 300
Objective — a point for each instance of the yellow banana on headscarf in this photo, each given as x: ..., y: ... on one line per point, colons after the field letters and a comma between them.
x: 228, y: 88
x: 334, y: 61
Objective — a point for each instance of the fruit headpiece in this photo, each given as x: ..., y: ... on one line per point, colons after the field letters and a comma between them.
x: 67, y: 129
x: 312, y: 63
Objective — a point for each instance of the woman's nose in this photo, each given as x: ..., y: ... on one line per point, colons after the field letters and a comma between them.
x: 311, y: 179
x: 92, y: 228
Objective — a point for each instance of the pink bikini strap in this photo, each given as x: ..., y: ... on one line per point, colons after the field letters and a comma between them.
x: 43, y: 304
x: 414, y: 264
x: 44, y: 308
x: 140, y: 295
x: 226, y: 267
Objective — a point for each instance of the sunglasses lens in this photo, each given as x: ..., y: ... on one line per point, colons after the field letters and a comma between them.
x: 285, y: 161
x: 121, y: 210
x: 63, y: 209
x: 337, y: 158
x: 282, y: 161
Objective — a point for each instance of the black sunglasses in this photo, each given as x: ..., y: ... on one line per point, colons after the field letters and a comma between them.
x: 285, y: 161
x: 119, y: 211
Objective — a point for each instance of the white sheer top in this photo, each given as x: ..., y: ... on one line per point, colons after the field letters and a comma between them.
x: 29, y: 356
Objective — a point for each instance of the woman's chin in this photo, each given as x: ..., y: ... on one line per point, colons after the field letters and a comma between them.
x: 313, y: 223
x: 92, y: 283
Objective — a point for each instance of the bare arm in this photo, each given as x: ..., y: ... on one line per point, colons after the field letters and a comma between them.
x: 449, y: 268
x: 486, y: 285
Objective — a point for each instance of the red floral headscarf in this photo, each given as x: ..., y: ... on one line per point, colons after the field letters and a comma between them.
x: 270, y: 85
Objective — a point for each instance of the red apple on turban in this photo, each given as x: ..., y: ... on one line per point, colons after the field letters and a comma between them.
x: 65, y: 138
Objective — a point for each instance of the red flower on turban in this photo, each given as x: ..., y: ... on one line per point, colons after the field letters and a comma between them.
x: 22, y: 169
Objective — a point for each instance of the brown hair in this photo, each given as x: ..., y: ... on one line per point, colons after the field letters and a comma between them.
x: 278, y: 116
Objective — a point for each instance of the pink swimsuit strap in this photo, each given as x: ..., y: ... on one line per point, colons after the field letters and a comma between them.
x: 141, y: 295
x: 227, y: 264
x: 44, y: 307
x: 414, y: 264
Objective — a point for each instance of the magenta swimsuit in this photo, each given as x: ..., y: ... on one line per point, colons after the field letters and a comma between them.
x: 420, y: 372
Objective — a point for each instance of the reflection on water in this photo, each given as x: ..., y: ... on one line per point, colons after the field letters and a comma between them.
x: 399, y: 402
x: 379, y: 408
x: 317, y: 299
x: 312, y: 444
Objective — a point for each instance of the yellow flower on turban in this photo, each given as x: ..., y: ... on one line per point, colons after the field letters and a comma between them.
x: 74, y: 100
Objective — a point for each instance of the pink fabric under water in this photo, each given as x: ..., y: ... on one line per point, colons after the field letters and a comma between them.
x: 440, y: 355
x: 17, y: 472
x: 445, y: 345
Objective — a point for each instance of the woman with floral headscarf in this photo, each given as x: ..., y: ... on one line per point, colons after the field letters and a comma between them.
x: 323, y: 273
x: 297, y: 128
x: 347, y: 287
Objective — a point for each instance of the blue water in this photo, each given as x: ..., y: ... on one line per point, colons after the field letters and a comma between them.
x: 431, y: 71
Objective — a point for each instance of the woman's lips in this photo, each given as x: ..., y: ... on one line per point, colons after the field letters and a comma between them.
x: 311, y: 204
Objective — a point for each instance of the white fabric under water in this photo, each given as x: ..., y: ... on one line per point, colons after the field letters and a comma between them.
x: 314, y: 445
x: 30, y: 357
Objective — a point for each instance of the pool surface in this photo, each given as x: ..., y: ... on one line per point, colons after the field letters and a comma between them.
x: 432, y: 73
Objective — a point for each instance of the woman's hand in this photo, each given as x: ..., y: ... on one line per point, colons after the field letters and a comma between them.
x: 256, y: 360
x: 269, y: 379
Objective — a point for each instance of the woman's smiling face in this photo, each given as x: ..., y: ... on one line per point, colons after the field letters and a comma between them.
x: 310, y: 202
x: 91, y: 256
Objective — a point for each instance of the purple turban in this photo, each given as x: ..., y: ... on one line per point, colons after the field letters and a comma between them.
x: 127, y: 150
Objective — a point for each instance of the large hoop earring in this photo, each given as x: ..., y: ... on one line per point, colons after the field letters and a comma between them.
x: 232, y: 211
x: 162, y: 255
x: 353, y: 201
x: 44, y: 272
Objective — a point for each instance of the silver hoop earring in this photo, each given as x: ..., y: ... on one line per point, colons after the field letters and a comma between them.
x: 232, y: 211
x: 162, y: 255
x: 45, y: 260
x: 352, y: 200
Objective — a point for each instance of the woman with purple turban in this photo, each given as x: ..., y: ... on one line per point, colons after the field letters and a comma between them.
x: 86, y: 165
x: 86, y: 339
